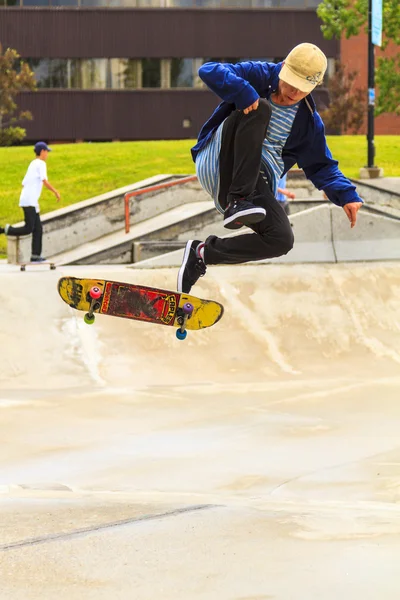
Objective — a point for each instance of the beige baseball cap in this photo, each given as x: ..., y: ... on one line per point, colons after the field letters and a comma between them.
x: 304, y: 67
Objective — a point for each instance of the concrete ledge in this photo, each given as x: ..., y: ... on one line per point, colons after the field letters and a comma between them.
x: 145, y: 250
x: 323, y: 235
x: 378, y: 193
x: 19, y: 249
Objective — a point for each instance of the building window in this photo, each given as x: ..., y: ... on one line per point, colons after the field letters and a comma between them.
x: 65, y: 2
x: 41, y: 69
x: 94, y: 73
x: 330, y: 71
x: 93, y: 2
x: 150, y: 3
x: 151, y: 72
x: 181, y: 72
x: 58, y: 73
x: 236, y: 3
x: 36, y: 3
x: 74, y: 74
x: 126, y: 73
x: 130, y: 73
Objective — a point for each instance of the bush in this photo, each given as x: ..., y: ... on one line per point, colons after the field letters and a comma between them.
x: 11, y: 136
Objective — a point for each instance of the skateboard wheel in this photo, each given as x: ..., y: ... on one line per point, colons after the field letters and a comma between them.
x: 181, y: 335
x: 88, y: 319
x: 22, y: 267
x: 188, y: 308
x: 52, y: 266
x: 95, y: 292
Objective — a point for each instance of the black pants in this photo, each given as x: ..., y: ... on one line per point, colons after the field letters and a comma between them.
x: 32, y: 225
x: 240, y: 176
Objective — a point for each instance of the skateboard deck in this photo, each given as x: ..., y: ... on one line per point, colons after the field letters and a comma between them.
x: 141, y: 303
x: 23, y: 265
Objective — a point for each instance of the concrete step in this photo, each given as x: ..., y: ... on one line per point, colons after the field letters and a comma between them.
x: 172, y: 225
x: 323, y: 235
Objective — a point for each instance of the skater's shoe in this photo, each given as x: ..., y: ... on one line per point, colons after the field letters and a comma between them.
x: 242, y: 212
x: 193, y: 266
x: 35, y: 258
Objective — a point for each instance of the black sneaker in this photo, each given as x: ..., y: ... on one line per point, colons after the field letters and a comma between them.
x: 242, y: 212
x: 192, y: 267
x: 38, y: 259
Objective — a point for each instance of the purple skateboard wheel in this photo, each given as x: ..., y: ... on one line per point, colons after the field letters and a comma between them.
x: 188, y: 308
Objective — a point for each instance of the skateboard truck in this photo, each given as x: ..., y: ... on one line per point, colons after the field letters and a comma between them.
x: 186, y: 313
x: 95, y: 293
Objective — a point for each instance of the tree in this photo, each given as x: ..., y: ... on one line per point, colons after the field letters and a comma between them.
x: 347, y: 103
x: 349, y: 17
x: 15, y: 77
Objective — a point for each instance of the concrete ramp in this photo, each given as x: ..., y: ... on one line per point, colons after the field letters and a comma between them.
x: 323, y: 235
x: 258, y: 459
x: 381, y: 192
x: 375, y: 237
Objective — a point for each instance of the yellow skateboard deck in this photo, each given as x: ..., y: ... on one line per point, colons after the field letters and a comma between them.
x: 152, y: 305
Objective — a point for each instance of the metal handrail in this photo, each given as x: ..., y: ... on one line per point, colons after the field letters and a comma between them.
x: 152, y: 188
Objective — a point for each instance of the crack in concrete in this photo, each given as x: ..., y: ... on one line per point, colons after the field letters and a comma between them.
x: 87, y: 530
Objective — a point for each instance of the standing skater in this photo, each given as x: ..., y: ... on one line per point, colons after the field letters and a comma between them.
x: 266, y: 122
x: 32, y: 184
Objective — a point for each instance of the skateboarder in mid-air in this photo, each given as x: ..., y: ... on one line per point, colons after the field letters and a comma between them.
x: 266, y: 123
x: 32, y: 183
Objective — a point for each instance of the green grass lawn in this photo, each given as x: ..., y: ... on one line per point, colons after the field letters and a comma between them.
x: 351, y: 152
x: 81, y: 171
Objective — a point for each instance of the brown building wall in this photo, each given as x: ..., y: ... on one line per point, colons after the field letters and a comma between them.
x: 107, y: 114
x: 354, y: 54
x: 158, y: 33
x: 64, y: 115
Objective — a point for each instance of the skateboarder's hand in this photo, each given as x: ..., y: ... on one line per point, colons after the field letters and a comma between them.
x: 57, y: 195
x: 351, y: 209
x: 252, y: 107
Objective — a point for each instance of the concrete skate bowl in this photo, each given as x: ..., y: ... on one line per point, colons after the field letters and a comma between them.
x: 272, y: 434
x: 280, y: 322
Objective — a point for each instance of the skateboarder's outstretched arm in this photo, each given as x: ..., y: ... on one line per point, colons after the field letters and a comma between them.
x: 322, y: 169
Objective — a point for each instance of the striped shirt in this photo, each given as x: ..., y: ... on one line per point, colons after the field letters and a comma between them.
x: 280, y: 125
x: 207, y: 166
x: 278, y: 131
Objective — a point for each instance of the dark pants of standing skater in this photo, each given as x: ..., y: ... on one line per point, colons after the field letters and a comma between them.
x: 241, y: 177
x: 32, y: 225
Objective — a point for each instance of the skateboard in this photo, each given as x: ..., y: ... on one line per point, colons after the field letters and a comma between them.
x: 140, y: 303
x: 23, y: 265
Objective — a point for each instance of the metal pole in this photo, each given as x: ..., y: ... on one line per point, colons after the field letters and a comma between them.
x: 371, y: 90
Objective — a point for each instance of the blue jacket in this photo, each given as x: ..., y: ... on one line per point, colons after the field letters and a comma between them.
x: 239, y: 86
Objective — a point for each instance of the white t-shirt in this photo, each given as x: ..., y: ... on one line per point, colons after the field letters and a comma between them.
x: 32, y: 184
